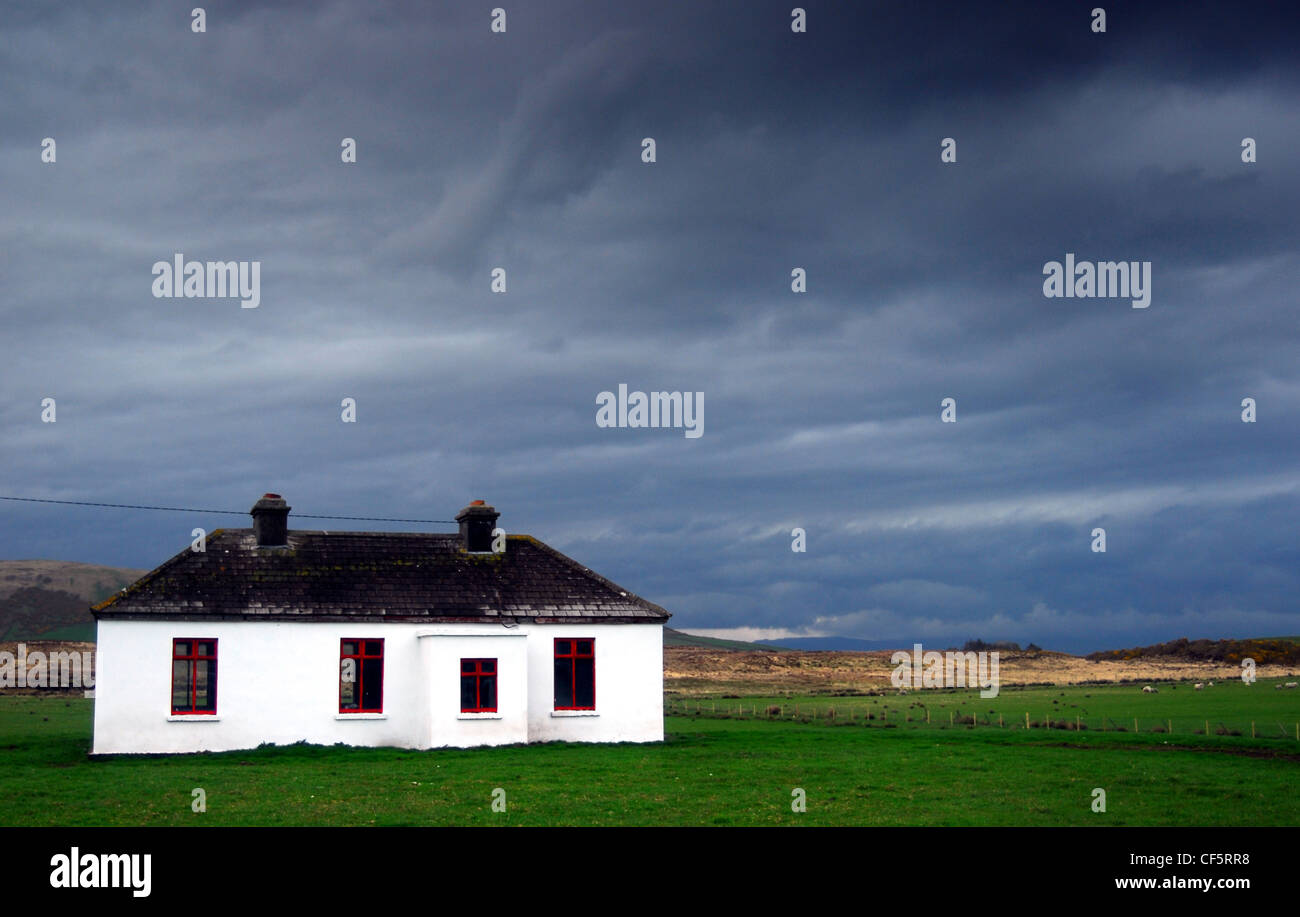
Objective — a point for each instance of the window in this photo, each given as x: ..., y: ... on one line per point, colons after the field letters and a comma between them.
x: 575, y: 674
x: 194, y: 676
x: 478, y: 686
x: 361, y: 676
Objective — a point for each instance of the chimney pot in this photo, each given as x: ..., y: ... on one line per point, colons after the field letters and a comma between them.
x: 271, y: 521
x: 476, y: 524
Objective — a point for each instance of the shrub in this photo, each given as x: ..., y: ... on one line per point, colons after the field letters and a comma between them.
x: 1264, y: 652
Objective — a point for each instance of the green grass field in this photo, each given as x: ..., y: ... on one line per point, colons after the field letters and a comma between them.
x: 710, y: 771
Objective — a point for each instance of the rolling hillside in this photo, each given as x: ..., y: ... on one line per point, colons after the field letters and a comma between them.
x: 677, y: 638
x: 50, y: 599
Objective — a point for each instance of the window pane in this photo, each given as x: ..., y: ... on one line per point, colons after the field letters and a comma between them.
x: 467, y: 699
x: 563, y: 683
x: 348, y: 674
x: 489, y: 665
x: 585, y: 678
x: 372, y: 684
x: 205, y: 685
x: 181, y: 648
x: 488, y: 692
x: 203, y: 649
x: 563, y: 647
x: 374, y: 648
x: 584, y: 647
x: 467, y: 666
x: 349, y: 648
x: 180, y: 684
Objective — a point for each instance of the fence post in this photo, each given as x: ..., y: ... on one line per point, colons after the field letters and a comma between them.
x: 1252, y: 729
x: 1135, y: 724
x: 1026, y: 719
x: 1207, y: 728
x: 999, y: 720
x: 1170, y: 724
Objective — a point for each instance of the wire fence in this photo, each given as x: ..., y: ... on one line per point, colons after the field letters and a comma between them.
x: 219, y: 512
x: 851, y: 714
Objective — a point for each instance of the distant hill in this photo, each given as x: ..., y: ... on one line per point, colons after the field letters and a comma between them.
x: 50, y: 599
x: 677, y: 638
x: 807, y: 644
x: 842, y: 644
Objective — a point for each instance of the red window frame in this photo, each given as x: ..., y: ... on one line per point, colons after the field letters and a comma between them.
x: 194, y: 657
x: 575, y: 653
x: 479, y: 670
x: 365, y: 647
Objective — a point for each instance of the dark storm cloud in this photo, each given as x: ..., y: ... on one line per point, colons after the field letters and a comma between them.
x: 774, y: 151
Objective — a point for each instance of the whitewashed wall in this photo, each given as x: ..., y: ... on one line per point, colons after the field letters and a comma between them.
x: 442, y: 649
x: 277, y: 682
x: 629, y: 685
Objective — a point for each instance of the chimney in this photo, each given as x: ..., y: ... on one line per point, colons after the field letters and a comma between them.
x: 476, y: 524
x: 271, y: 521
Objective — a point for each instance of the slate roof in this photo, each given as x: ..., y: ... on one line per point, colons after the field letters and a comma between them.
x: 375, y: 576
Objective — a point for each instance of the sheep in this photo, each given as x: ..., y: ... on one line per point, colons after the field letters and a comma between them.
x: 1291, y: 684
x: 1199, y: 687
x: 1211, y: 684
x: 1150, y: 690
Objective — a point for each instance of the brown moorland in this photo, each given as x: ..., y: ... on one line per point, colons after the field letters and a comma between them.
x: 692, y: 670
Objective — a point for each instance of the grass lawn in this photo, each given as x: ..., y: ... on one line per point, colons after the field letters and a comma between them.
x: 710, y: 771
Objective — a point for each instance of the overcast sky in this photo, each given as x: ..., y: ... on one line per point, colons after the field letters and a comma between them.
x: 774, y: 151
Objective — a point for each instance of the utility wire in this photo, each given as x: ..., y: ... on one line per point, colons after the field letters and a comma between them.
x: 223, y: 512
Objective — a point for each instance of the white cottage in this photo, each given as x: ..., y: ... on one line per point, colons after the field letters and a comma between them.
x: 374, y: 638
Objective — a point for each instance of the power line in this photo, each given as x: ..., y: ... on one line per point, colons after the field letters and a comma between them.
x: 222, y: 512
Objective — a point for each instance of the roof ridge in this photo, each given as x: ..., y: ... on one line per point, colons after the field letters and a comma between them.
x: 375, y: 575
